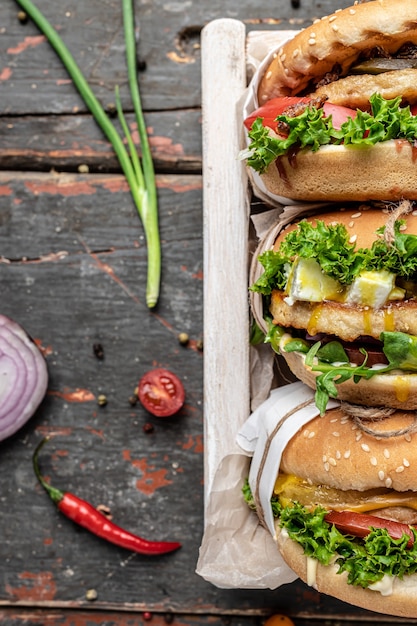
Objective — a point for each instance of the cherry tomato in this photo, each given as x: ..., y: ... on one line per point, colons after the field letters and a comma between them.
x: 279, y: 620
x: 161, y: 392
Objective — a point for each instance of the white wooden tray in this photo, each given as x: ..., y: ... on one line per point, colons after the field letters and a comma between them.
x: 236, y: 551
x: 225, y: 221
x: 227, y: 53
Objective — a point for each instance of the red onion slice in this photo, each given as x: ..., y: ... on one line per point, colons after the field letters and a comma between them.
x: 23, y: 377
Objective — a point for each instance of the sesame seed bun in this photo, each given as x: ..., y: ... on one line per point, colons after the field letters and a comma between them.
x: 345, y: 322
x: 338, y: 38
x: 317, y: 62
x: 335, y: 452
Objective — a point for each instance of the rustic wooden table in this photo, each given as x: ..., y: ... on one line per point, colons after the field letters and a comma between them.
x: 72, y: 272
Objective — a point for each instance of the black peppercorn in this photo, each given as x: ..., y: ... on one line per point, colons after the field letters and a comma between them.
x: 98, y: 351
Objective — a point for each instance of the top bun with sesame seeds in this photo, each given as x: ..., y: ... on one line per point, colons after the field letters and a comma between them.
x: 348, y: 505
x: 351, y: 60
x: 361, y: 449
x: 336, y: 43
x: 336, y: 296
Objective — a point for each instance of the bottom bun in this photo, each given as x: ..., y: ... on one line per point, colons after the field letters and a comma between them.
x: 401, y: 601
x: 339, y: 173
x: 394, y: 390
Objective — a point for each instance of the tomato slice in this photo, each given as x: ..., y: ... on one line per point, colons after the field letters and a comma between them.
x: 161, y: 392
x: 339, y: 114
x: 270, y: 111
x: 360, y: 524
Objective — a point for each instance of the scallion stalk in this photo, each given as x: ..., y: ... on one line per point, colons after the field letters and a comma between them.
x: 149, y: 207
x: 142, y: 183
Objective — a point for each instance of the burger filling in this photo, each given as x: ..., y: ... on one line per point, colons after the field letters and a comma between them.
x: 369, y: 296
x: 375, y: 103
x: 384, y: 502
x: 367, y: 547
x: 316, y: 127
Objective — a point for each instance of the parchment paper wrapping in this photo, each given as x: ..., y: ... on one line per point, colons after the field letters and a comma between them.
x: 237, y: 551
x: 250, y: 103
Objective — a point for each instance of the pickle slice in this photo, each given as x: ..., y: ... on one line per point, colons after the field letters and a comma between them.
x: 380, y: 65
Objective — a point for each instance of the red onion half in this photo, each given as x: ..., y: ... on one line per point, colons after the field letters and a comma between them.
x: 23, y: 377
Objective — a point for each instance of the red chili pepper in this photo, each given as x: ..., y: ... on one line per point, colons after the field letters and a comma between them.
x: 86, y: 515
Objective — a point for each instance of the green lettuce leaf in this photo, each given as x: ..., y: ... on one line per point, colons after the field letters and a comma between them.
x: 311, y: 130
x: 331, y: 360
x: 400, y: 350
x: 366, y: 561
x: 338, y: 257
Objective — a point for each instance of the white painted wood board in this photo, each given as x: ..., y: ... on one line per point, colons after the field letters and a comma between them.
x: 227, y: 54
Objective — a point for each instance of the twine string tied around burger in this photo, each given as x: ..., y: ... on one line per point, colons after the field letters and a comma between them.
x: 402, y: 209
x: 366, y: 416
x: 256, y: 493
x: 265, y: 435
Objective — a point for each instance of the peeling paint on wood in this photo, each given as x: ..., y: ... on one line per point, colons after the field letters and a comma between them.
x: 76, y: 395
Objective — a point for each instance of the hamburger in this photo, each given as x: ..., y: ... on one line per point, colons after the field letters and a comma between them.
x: 336, y: 296
x: 336, y: 108
x: 345, y: 508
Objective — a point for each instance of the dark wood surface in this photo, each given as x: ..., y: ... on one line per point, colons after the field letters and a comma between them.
x: 72, y: 272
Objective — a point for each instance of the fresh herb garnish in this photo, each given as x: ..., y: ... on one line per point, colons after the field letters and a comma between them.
x: 311, y: 130
x: 332, y: 361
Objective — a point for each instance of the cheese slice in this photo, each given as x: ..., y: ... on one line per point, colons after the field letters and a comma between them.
x: 309, y: 283
x: 290, y: 488
x: 373, y: 289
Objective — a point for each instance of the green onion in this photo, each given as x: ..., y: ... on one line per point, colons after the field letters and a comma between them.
x: 141, y: 182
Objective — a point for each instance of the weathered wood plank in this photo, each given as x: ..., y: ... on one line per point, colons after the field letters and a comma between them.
x: 226, y: 228
x: 72, y: 273
x: 34, y: 82
x: 42, y: 617
x: 64, y: 143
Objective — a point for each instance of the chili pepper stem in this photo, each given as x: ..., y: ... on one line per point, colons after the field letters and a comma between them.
x: 55, y: 494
